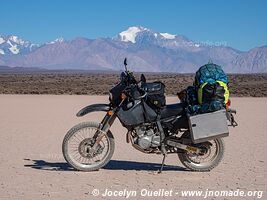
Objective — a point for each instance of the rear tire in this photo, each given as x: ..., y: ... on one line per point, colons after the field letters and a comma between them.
x: 187, y: 161
x: 80, y: 166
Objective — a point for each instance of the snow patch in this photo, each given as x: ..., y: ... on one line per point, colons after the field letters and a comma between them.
x: 33, y: 46
x: 197, y: 45
x: 8, y: 42
x: 2, y: 40
x: 13, y: 48
x: 17, y: 40
x: 2, y: 51
x: 58, y: 40
x: 130, y: 34
x: 168, y: 36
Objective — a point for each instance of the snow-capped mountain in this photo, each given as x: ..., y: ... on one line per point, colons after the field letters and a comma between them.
x: 134, y: 34
x: 144, y: 36
x: 131, y: 33
x: 146, y: 50
x: 13, y: 45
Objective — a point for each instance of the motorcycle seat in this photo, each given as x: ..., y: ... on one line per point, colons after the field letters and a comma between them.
x: 172, y: 110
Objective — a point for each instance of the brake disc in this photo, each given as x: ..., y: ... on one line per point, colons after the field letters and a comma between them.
x: 85, y: 148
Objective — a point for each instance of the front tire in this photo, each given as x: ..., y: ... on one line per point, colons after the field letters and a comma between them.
x: 82, y: 135
x: 189, y: 161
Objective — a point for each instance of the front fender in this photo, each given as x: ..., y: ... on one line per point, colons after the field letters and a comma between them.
x: 93, y: 108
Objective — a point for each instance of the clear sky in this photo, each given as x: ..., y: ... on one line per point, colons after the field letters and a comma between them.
x: 241, y: 24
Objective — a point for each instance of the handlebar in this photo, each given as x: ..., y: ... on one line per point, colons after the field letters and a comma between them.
x: 129, y: 91
x: 141, y: 97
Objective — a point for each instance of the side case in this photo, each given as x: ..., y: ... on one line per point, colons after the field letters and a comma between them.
x: 208, y: 126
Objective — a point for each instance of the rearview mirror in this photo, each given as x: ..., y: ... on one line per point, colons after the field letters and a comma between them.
x: 125, y: 64
x: 143, y: 78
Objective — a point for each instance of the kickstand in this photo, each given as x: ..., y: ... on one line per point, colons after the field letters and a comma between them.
x: 162, y: 164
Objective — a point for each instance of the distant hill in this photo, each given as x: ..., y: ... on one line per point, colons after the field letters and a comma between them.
x: 6, y: 69
x: 146, y: 50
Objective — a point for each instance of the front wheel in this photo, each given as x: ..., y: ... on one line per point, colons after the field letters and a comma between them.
x: 212, y: 155
x: 77, y: 147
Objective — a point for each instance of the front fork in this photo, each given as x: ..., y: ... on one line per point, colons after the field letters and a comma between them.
x: 106, y: 124
x: 104, y: 127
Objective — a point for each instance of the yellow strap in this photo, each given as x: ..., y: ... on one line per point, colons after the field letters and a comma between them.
x: 224, y: 85
x: 226, y: 91
x: 199, y: 93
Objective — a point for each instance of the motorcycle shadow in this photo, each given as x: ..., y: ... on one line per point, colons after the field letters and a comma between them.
x: 112, y: 165
x: 139, y: 166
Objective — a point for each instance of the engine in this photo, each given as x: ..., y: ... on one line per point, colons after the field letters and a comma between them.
x: 147, y: 137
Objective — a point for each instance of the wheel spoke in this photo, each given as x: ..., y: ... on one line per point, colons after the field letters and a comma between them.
x: 209, y: 156
x: 81, y: 142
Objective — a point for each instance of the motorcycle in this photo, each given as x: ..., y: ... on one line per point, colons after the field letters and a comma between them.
x: 161, y: 129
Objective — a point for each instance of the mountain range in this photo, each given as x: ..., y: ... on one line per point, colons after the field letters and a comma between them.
x: 146, y: 50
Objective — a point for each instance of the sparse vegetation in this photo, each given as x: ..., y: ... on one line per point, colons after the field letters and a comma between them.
x: 99, y: 84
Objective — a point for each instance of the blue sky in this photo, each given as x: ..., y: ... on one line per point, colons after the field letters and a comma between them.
x: 241, y: 24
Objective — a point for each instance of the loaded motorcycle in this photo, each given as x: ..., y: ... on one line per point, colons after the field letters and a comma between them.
x: 153, y: 128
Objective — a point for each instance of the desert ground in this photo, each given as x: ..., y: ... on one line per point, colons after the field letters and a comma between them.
x: 32, y: 165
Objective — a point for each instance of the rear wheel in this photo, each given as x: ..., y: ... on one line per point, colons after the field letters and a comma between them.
x: 77, y: 147
x: 211, y: 156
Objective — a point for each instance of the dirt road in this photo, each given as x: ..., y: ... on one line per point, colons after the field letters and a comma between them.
x: 32, y: 165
